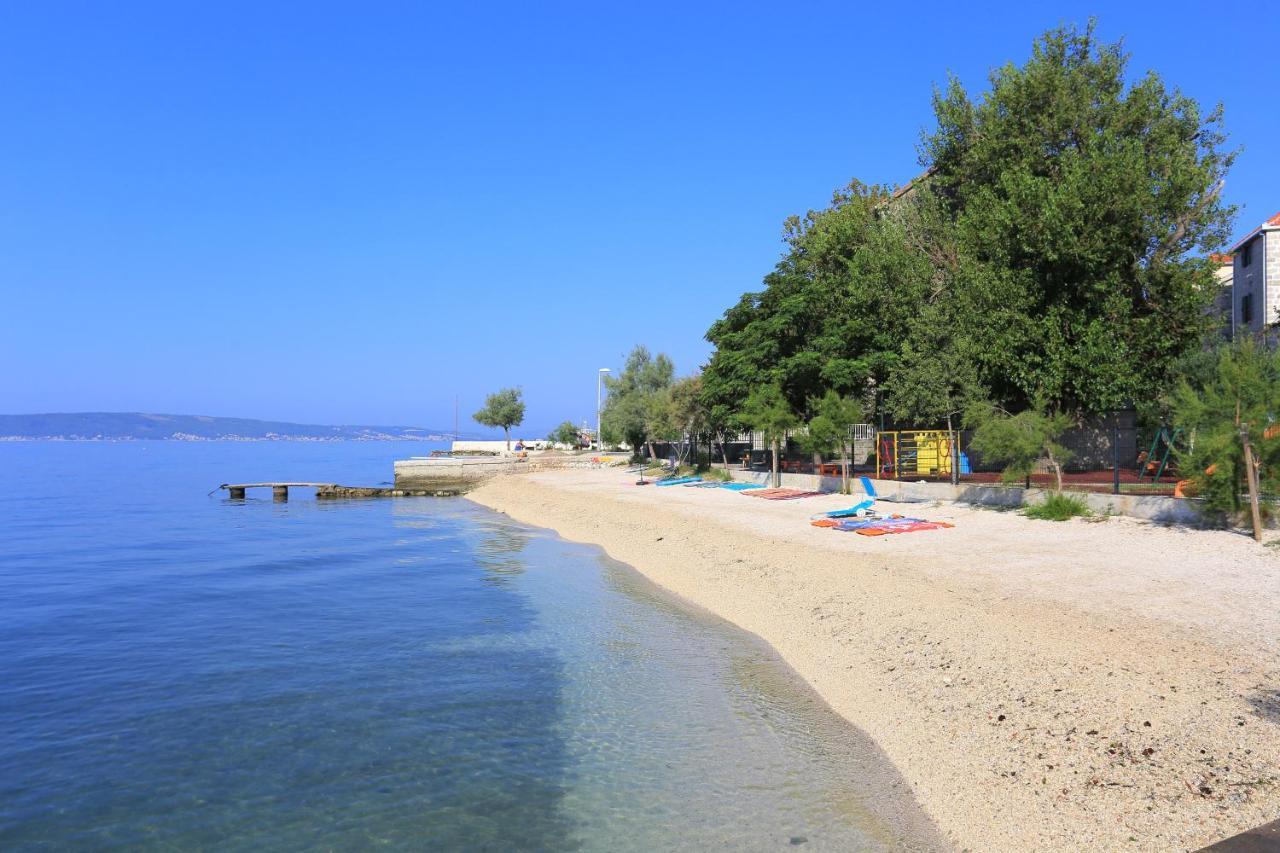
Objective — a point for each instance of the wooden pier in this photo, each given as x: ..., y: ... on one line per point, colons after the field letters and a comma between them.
x: 280, y: 491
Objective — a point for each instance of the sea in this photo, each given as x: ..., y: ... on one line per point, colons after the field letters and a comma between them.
x: 181, y: 671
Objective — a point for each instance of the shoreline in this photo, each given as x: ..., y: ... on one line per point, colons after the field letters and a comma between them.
x: 1020, y: 717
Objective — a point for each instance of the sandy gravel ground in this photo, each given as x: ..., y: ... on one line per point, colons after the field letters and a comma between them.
x: 1108, y: 685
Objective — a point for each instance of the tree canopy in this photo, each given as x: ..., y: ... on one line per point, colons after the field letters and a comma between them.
x: 504, y: 409
x: 767, y: 411
x: 1085, y: 209
x: 1051, y: 257
x: 565, y: 433
x: 635, y: 409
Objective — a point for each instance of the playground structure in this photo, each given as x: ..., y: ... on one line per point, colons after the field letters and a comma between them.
x: 1156, y: 460
x: 918, y: 453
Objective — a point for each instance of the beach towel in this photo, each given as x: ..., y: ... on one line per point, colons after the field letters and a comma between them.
x: 903, y: 528
x: 886, y: 526
x: 741, y: 487
x: 861, y: 523
x: 781, y: 494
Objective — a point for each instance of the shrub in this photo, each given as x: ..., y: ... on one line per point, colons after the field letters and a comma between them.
x: 1059, y: 507
x: 1020, y: 442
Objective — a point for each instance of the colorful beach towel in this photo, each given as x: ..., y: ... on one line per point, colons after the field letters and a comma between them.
x: 781, y: 494
x: 885, y: 526
x: 741, y: 487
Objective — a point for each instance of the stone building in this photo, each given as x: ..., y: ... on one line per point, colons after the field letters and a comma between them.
x: 1255, y: 282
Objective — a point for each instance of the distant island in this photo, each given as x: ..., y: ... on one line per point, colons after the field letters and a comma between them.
x: 131, y: 426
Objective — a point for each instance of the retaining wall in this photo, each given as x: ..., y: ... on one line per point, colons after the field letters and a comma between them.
x: 1150, y: 507
x: 450, y: 473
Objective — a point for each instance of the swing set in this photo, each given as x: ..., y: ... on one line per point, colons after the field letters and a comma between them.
x: 1162, y: 446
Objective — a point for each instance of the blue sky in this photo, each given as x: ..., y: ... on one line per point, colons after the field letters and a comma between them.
x: 352, y: 212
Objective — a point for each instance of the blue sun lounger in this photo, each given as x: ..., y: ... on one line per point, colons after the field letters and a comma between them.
x: 678, y: 481
x: 861, y: 507
x: 870, y: 489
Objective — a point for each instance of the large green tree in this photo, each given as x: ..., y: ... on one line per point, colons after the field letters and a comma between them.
x: 1084, y: 206
x: 1050, y: 259
x: 504, y: 409
x: 832, y: 312
x: 633, y: 408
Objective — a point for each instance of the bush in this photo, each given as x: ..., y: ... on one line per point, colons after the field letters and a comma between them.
x: 1059, y: 507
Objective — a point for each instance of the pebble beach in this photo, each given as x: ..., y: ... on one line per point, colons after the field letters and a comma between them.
x: 1108, y: 684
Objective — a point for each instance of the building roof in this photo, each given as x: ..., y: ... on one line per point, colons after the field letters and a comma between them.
x: 1273, y: 222
x: 1222, y: 258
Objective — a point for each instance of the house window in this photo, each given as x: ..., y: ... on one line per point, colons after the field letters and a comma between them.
x: 1246, y: 308
x: 1246, y: 254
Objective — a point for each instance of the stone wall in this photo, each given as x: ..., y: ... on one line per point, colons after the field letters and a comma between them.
x: 450, y: 473
x: 1152, y: 508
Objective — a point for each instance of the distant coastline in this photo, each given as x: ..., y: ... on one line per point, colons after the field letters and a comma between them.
x: 140, y: 426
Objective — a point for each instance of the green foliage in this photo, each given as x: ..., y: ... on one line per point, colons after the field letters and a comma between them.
x: 504, y: 409
x: 935, y: 378
x: 689, y: 410
x: 831, y: 311
x: 1020, y: 442
x: 1052, y: 255
x: 566, y: 433
x: 1242, y: 387
x: 719, y: 474
x: 1059, y: 506
x: 832, y: 428
x: 1080, y: 204
x: 634, y: 407
x: 767, y: 411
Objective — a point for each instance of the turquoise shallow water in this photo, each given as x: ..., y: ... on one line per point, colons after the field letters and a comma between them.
x: 179, y: 671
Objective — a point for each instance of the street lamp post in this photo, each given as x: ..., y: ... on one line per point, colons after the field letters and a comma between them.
x: 599, y: 381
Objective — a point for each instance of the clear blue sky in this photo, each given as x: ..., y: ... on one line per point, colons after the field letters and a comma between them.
x: 350, y: 212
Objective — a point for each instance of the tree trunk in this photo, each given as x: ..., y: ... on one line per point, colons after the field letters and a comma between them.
x: 652, y: 453
x: 1251, y: 475
x: 844, y: 468
x: 777, y: 478
x: 507, y: 432
x: 953, y: 452
x: 1054, y: 464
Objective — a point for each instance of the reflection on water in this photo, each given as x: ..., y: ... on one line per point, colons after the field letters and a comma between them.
x: 184, y: 672
x: 501, y: 548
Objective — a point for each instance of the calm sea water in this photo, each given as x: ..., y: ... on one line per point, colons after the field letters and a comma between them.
x: 181, y: 671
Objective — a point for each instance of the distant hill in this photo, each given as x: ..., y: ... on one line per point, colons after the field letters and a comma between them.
x: 136, y: 425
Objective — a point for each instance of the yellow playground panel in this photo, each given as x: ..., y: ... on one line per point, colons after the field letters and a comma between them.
x: 914, y: 453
